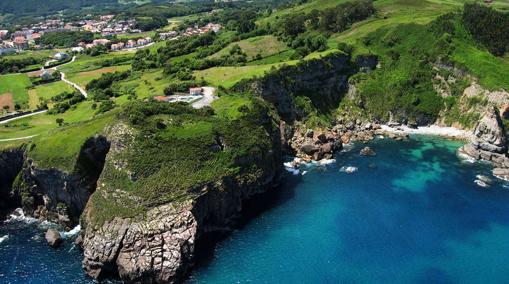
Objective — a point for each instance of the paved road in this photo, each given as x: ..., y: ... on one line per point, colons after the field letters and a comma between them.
x: 208, y: 97
x: 19, y: 138
x: 23, y: 116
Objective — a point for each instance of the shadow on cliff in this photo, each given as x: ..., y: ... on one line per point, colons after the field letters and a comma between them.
x: 252, y: 209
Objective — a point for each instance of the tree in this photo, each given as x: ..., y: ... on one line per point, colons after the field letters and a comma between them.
x: 60, y: 121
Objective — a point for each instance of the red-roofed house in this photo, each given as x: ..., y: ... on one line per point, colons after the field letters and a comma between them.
x: 20, y: 43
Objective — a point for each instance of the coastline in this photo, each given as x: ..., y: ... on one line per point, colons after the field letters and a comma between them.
x: 435, y: 130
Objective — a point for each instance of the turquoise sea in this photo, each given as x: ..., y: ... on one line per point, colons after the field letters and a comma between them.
x: 410, y: 214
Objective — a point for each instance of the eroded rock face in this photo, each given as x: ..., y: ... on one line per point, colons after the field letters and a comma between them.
x: 324, y: 81
x: 58, y: 196
x: 11, y: 162
x: 156, y: 249
x: 489, y: 142
x: 158, y: 246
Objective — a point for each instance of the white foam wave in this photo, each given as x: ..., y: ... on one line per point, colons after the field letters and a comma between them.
x: 481, y: 183
x: 75, y: 231
x: 4, y: 238
x: 324, y: 162
x: 466, y: 158
x: 348, y: 169
x: 19, y: 216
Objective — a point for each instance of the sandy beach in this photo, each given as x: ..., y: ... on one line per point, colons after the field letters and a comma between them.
x: 450, y: 132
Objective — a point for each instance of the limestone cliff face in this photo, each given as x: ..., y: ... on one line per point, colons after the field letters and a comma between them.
x: 324, y: 81
x: 55, y: 195
x: 158, y: 246
x: 11, y: 162
x: 489, y: 142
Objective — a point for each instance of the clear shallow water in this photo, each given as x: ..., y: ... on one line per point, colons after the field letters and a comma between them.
x: 412, y: 214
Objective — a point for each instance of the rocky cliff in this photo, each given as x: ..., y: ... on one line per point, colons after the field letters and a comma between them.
x: 11, y: 162
x: 489, y: 142
x: 153, y: 239
x: 55, y: 195
x: 323, y: 81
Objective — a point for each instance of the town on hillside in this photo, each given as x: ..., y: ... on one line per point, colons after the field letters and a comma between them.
x: 105, y: 29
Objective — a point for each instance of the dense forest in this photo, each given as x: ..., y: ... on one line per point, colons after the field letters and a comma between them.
x: 488, y: 26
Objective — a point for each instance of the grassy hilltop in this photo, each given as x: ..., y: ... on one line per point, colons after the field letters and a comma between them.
x: 411, y: 40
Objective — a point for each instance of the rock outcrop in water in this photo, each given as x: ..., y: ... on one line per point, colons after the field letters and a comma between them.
x: 53, y: 238
x: 489, y: 142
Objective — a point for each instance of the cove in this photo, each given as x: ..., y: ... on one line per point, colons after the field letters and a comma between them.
x: 411, y: 214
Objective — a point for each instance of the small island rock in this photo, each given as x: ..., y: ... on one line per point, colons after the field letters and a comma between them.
x: 53, y: 238
x: 367, y: 151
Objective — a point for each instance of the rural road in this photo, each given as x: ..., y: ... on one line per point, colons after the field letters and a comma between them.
x: 208, y: 98
x: 74, y: 85
x: 20, y: 138
x: 23, y: 116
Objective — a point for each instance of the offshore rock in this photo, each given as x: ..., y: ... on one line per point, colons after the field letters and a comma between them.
x: 53, y: 238
x: 367, y: 151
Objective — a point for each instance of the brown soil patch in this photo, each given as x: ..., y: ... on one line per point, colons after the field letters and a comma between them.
x: 99, y: 71
x: 6, y: 100
x: 38, y: 73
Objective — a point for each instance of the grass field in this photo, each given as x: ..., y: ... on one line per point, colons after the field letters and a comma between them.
x: 137, y: 35
x: 150, y: 84
x: 83, y: 78
x: 47, y: 91
x: 17, y: 85
x: 90, y: 63
x: 263, y: 45
x: 229, y: 76
x: 61, y: 147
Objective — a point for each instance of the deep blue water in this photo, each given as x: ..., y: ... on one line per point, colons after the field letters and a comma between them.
x: 411, y: 214
x: 25, y: 257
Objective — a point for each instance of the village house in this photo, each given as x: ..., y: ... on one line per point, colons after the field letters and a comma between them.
x: 60, y: 56
x: 20, y: 43
x: 6, y: 47
x: 117, y: 46
x: 167, y: 35
x: 130, y: 43
x: 3, y: 33
x: 46, y: 75
x: 162, y: 98
x: 78, y: 49
x: 195, y: 91
x: 101, y: 41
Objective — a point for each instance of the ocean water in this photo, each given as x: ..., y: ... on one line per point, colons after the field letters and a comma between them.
x: 25, y: 256
x: 411, y: 214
